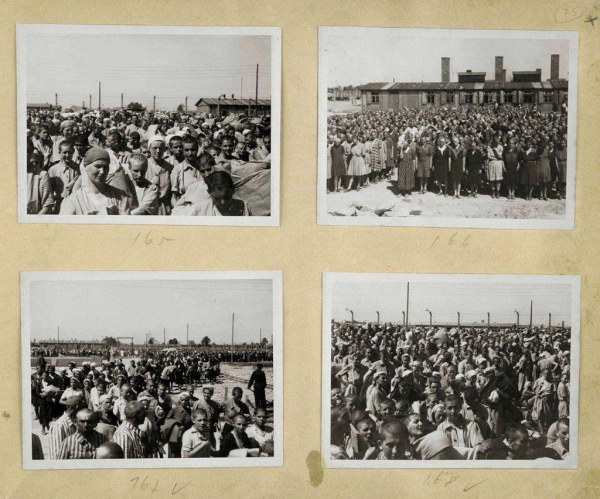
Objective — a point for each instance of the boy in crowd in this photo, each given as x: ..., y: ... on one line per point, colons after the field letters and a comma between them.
x: 146, y: 193
x: 64, y: 174
x: 260, y: 431
x: 393, y: 441
x: 188, y: 171
x: 463, y: 432
x: 221, y: 202
x: 196, y: 442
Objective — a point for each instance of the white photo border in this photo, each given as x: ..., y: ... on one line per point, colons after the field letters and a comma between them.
x: 23, y: 30
x: 330, y: 278
x: 324, y: 218
x: 235, y: 462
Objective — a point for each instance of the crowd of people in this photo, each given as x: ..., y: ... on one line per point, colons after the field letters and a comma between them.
x: 462, y: 393
x: 111, y: 410
x: 516, y: 151
x: 143, y: 163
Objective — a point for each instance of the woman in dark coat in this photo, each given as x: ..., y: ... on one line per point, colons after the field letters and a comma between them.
x: 457, y: 165
x: 528, y: 160
x: 441, y: 165
x: 511, y: 166
x: 474, y: 165
x: 338, y: 164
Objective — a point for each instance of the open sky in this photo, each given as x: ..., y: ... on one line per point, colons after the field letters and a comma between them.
x: 385, y: 55
x: 96, y: 309
x: 445, y: 299
x: 141, y: 66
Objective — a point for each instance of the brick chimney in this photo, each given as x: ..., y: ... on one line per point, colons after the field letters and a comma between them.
x: 554, y: 66
x: 445, y: 69
x: 504, y: 76
x: 499, y: 68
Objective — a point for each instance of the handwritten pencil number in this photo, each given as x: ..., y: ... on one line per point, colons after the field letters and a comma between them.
x: 148, y: 239
x: 455, y: 238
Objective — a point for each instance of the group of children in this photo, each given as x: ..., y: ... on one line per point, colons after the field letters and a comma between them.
x: 78, y: 167
x: 410, y: 393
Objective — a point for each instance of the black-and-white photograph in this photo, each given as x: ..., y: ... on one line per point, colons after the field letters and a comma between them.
x: 151, y: 369
x: 447, y: 128
x: 461, y: 371
x: 173, y: 125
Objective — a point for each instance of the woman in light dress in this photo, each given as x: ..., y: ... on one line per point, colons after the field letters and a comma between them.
x: 495, y: 166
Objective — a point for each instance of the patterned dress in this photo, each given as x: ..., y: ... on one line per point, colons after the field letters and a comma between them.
x: 406, y: 169
x: 495, y: 163
x: 377, y: 155
x: 544, y: 175
x: 357, y: 165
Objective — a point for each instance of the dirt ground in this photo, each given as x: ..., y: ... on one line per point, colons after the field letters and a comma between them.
x: 382, y: 200
x: 232, y: 375
x: 342, y: 107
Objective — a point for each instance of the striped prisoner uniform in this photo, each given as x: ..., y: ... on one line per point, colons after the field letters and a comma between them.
x: 129, y: 438
x: 62, y: 428
x: 79, y: 447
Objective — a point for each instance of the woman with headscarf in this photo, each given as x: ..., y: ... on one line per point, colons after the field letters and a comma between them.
x: 96, y: 196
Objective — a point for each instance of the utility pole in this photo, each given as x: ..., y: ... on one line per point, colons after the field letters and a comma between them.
x: 458, y: 319
x: 164, y: 336
x: 407, y: 300
x: 260, y: 337
x: 99, y: 95
x: 154, y: 104
x: 55, y: 100
x: 256, y: 97
x: 488, y: 319
x: 351, y: 313
x: 232, y: 334
x: 58, y: 333
x: 90, y: 101
x: 517, y: 312
x: 550, y: 322
x: 187, y: 335
x: 531, y: 315
x: 186, y: 108
x: 121, y: 100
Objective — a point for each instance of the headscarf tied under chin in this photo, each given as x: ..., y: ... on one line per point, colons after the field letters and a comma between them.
x: 95, y: 154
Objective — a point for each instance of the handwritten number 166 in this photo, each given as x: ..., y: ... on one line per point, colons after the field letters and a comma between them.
x: 453, y: 239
